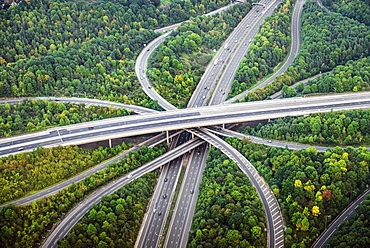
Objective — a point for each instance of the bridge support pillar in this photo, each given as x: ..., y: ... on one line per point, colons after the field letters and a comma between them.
x: 223, y: 126
x: 192, y: 135
x: 110, y: 143
x: 168, y: 140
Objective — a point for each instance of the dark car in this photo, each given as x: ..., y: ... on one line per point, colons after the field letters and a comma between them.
x: 164, y: 196
x: 198, y: 152
x: 192, y: 191
x: 166, y: 179
x: 159, y: 213
x: 90, y: 127
x: 20, y: 148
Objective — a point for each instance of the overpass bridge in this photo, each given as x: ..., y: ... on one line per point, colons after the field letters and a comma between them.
x: 180, y: 119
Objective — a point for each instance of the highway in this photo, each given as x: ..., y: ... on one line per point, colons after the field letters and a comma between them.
x: 267, y: 142
x: 334, y: 225
x: 294, y: 50
x: 155, y: 219
x: 271, y: 206
x: 178, y: 231
x: 158, y: 210
x: 181, y: 119
x: 78, y: 211
x: 227, y: 59
x: 251, y: 27
x: 140, y: 69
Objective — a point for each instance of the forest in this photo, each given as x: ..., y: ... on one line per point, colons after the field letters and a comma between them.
x: 25, y: 226
x: 177, y: 65
x: 269, y: 47
x: 358, y: 10
x: 116, y: 220
x: 355, y: 232
x: 76, y: 48
x: 328, y: 39
x: 36, y: 115
x: 23, y: 173
x: 350, y: 127
x: 312, y: 187
x: 229, y: 212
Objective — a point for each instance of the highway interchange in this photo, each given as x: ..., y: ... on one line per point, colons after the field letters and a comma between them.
x: 204, y: 117
x: 181, y: 119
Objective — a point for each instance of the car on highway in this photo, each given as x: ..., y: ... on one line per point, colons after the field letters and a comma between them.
x: 204, y: 97
x: 129, y: 176
x: 166, y: 179
x: 20, y: 148
x: 164, y: 196
x: 154, y: 210
x: 192, y: 191
x: 269, y: 141
x: 90, y: 127
x: 215, y: 62
x: 159, y: 213
x: 198, y: 153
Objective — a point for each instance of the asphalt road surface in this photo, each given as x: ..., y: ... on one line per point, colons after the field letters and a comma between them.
x: 180, y: 119
x: 155, y: 219
x: 178, y: 231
